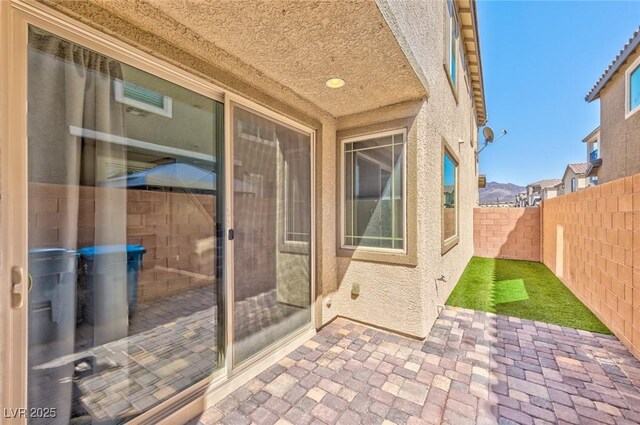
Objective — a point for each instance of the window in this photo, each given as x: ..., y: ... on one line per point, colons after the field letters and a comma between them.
x: 297, y: 202
x: 374, y: 191
x: 574, y: 186
x: 451, y: 42
x: 632, y: 94
x: 96, y: 158
x: 141, y: 100
x: 594, y: 153
x: 449, y: 201
x: 634, y: 89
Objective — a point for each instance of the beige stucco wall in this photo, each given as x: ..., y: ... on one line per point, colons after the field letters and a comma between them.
x: 580, y: 180
x: 401, y: 297
x: 619, y: 137
x: 442, y: 118
x: 549, y: 193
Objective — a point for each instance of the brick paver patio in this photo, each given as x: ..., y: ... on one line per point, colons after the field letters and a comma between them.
x: 473, y: 368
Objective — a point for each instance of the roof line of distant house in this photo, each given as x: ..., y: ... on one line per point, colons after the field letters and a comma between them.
x: 579, y: 169
x: 613, y: 67
x: 590, y: 135
x: 546, y: 183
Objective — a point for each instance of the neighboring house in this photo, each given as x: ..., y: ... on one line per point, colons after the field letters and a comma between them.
x: 541, y: 190
x: 522, y: 200
x: 619, y: 134
x: 594, y: 156
x: 327, y: 157
x: 574, y: 178
x: 548, y: 192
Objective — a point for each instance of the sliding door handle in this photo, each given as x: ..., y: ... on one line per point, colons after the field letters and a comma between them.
x: 232, y: 234
x: 17, y: 287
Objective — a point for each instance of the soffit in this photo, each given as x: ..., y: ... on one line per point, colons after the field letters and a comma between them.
x: 467, y: 15
x: 297, y: 44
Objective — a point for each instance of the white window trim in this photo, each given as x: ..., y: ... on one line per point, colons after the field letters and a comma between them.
x: 627, y: 87
x: 343, y: 144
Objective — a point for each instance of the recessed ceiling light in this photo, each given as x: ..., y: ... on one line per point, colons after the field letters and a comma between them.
x: 335, y: 83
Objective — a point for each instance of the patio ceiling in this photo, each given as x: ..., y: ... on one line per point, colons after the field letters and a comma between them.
x: 302, y: 44
x: 299, y: 45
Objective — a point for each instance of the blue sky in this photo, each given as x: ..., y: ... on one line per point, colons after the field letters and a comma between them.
x: 539, y: 60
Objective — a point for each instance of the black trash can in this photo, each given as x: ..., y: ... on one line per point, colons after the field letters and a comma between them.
x: 103, y: 265
x: 52, y: 312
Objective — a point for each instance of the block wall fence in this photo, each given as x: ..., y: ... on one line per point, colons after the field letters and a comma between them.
x: 176, y: 229
x: 512, y: 233
x: 590, y: 239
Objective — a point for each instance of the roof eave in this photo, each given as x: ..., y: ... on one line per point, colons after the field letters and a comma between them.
x: 591, y: 135
x: 614, y: 66
x: 474, y: 58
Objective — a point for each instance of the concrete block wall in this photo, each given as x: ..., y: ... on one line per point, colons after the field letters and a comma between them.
x: 592, y: 243
x: 175, y: 228
x: 512, y: 233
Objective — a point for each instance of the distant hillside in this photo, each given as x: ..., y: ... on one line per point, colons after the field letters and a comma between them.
x: 505, y: 192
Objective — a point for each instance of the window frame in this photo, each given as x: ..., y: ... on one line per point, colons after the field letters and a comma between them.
x: 450, y: 51
x: 287, y: 245
x: 359, y: 138
x: 452, y: 241
x: 628, y: 112
x: 574, y: 184
x: 18, y: 16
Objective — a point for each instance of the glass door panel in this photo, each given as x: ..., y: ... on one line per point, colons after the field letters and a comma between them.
x: 125, y: 196
x: 272, y: 223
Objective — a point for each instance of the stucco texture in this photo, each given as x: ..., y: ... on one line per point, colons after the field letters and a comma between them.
x: 619, y: 136
x: 406, y: 298
x: 581, y: 182
x: 400, y: 297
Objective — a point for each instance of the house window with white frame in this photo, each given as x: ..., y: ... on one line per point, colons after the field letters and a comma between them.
x: 374, y: 197
x: 451, y: 42
x: 632, y: 77
x: 449, y: 201
x: 574, y: 185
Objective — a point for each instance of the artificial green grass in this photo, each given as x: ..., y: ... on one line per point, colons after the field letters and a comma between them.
x: 521, y: 289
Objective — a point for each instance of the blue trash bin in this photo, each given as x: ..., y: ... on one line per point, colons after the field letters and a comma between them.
x: 105, y: 261
x: 52, y: 311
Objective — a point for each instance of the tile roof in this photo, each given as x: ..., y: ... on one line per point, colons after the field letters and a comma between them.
x: 546, y: 183
x: 580, y: 168
x: 620, y: 58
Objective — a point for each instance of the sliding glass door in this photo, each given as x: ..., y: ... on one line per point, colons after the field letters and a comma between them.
x: 125, y: 197
x: 272, y: 226
x: 157, y: 261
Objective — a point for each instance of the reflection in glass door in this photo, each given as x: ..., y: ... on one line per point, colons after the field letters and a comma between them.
x: 125, y: 191
x: 272, y: 224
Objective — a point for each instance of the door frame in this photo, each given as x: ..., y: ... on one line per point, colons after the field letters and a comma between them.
x: 232, y: 100
x: 15, y: 17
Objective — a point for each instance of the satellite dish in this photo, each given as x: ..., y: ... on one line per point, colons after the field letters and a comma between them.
x: 487, y: 132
